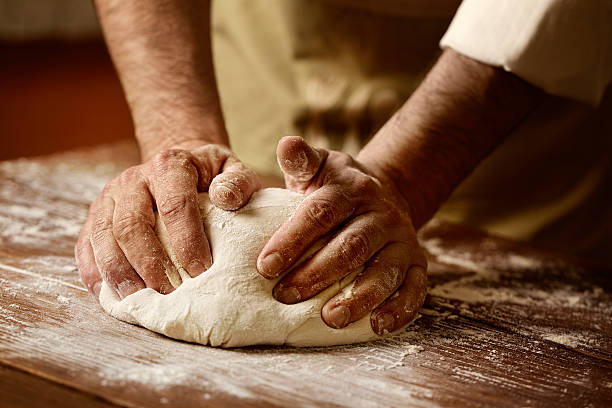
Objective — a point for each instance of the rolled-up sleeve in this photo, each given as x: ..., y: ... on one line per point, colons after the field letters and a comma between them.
x: 563, y: 47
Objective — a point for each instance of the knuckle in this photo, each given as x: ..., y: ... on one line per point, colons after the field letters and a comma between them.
x: 364, y: 185
x: 100, y: 227
x: 129, y: 175
x: 322, y: 213
x: 393, y: 213
x: 243, y: 173
x: 215, y: 149
x: 215, y: 155
x: 171, y: 157
x: 342, y: 159
x: 354, y: 249
x: 393, y: 222
x: 165, y: 155
x: 173, y: 205
x: 128, y: 226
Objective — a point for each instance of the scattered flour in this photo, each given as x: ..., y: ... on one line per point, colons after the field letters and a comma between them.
x: 63, y: 299
x: 55, y: 192
x: 160, y: 377
x: 489, y: 279
x: 570, y: 340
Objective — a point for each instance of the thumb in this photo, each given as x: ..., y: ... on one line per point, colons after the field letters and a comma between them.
x: 233, y: 187
x: 230, y: 183
x: 299, y: 162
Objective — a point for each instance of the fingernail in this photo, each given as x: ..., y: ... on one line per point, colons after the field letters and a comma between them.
x: 96, y: 289
x: 126, y: 288
x: 271, y: 265
x: 384, y: 322
x: 166, y: 288
x: 197, y: 267
x: 338, y: 317
x: 228, y: 196
x: 287, y: 295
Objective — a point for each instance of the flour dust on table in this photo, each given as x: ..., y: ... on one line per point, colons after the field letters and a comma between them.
x: 231, y: 305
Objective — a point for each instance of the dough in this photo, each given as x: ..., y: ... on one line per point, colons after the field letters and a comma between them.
x: 231, y: 305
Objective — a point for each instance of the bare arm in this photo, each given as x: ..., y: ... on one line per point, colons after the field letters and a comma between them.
x: 162, y: 51
x: 457, y: 116
x: 460, y: 113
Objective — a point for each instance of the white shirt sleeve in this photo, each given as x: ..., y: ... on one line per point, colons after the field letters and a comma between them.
x: 561, y: 46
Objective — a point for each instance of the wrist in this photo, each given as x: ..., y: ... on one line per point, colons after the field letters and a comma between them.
x: 457, y: 116
x: 409, y: 181
x: 156, y: 135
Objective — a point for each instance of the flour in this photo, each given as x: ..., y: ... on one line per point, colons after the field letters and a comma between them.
x: 63, y: 300
x: 570, y: 340
x: 52, y: 194
x: 485, y: 280
x: 160, y: 377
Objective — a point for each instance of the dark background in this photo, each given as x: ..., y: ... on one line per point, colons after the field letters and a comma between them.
x: 58, y: 86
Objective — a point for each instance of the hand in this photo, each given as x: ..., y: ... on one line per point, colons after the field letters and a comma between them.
x: 118, y: 244
x: 373, y: 230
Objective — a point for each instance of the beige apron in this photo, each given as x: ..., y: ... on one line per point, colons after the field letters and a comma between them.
x: 334, y: 71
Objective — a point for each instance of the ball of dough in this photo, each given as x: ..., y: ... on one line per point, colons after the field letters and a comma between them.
x: 231, y: 305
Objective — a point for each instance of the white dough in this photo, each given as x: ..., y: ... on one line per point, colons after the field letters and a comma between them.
x: 230, y: 304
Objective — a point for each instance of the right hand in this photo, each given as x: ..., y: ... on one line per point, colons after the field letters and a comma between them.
x: 118, y: 243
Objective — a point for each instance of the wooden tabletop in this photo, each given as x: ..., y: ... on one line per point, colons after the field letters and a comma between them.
x: 504, y: 324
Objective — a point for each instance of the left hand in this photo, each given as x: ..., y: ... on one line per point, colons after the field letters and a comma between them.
x: 373, y: 229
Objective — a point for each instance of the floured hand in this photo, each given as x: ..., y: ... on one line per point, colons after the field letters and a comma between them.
x: 372, y: 228
x: 118, y: 244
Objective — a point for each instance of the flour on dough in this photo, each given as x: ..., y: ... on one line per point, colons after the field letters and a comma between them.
x: 230, y: 304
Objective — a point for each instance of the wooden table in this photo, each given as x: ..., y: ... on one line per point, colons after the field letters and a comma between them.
x: 504, y: 325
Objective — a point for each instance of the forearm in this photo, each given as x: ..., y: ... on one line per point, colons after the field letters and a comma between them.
x: 162, y: 51
x: 457, y: 116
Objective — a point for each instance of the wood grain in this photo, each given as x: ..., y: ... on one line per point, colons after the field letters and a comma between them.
x: 23, y: 390
x: 505, y: 324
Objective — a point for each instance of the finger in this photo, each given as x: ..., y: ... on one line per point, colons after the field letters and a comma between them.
x: 86, y: 264
x: 347, y: 251
x: 318, y: 214
x: 299, y: 162
x: 133, y: 228
x: 173, y: 183
x: 114, y: 267
x: 234, y: 186
x: 229, y: 182
x: 209, y: 161
x: 401, y: 308
x: 382, y: 276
